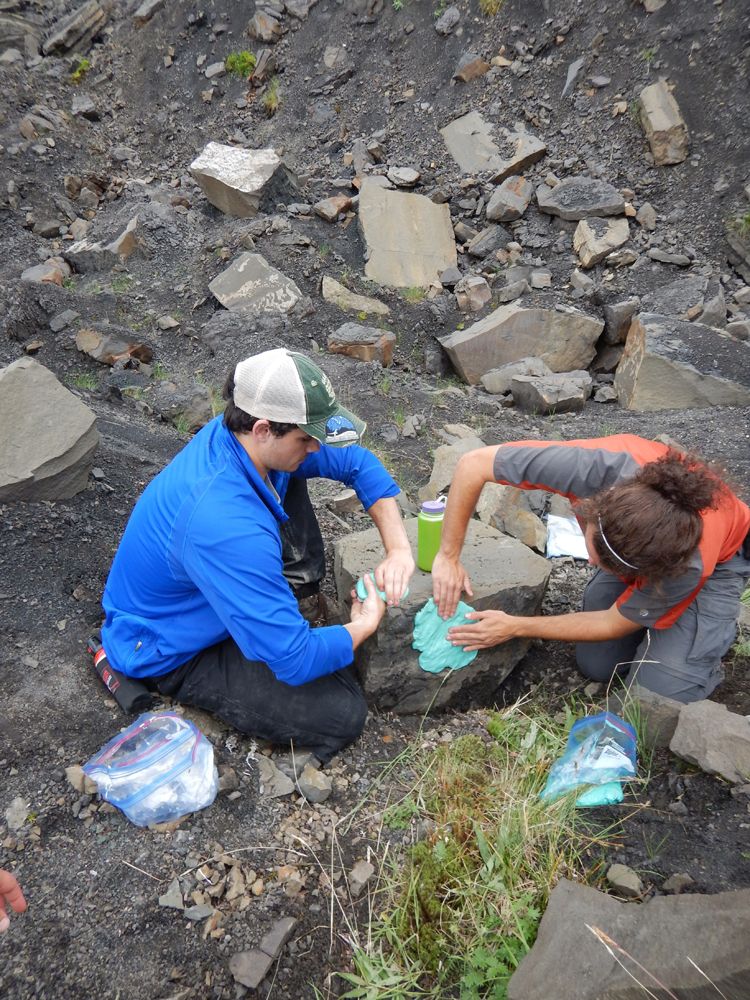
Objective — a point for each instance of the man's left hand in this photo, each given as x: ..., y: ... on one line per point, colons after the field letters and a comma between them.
x: 394, y: 573
x: 483, y: 630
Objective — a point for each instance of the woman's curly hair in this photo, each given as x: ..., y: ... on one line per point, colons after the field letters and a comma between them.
x: 651, y: 525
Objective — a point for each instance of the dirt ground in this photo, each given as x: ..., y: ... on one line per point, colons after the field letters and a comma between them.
x: 94, y: 927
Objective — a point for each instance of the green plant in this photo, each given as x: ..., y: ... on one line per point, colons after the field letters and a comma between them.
x: 440, y: 9
x: 362, y: 315
x: 240, y: 64
x: 272, y: 97
x: 400, y: 815
x: 159, y: 371
x: 181, y: 423
x: 121, y: 283
x: 490, y: 7
x: 80, y: 69
x: 742, y: 224
x: 386, y: 384
x: 648, y: 55
x: 83, y: 380
x: 414, y: 294
x: 398, y: 4
x: 94, y: 288
x: 653, y: 845
x: 69, y: 282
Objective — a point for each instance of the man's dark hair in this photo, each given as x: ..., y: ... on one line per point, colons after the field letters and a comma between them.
x: 653, y: 521
x: 239, y: 422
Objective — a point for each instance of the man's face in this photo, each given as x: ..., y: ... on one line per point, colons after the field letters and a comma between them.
x: 287, y: 453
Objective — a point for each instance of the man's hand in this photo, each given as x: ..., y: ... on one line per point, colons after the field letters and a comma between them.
x: 9, y: 893
x: 367, y: 614
x: 449, y: 579
x: 393, y: 574
x: 490, y: 629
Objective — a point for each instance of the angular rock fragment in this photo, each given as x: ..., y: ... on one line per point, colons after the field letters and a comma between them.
x: 504, y: 573
x: 564, y: 392
x: 54, y: 270
x: 715, y: 739
x: 510, y: 200
x: 366, y: 343
x: 672, y: 364
x: 663, y: 124
x: 334, y: 291
x: 147, y: 10
x: 472, y: 293
x: 519, y: 149
x: 409, y: 238
x: 87, y: 256
x: 490, y: 239
x: 478, y: 146
x: 498, y: 380
x: 251, y: 283
x: 264, y: 27
x: 111, y: 344
x: 580, y: 197
x: 330, y: 209
x: 76, y: 30
x: 617, y: 319
x: 507, y: 509
x: 47, y: 435
x: 595, y: 239
x: 470, y: 67
x: 242, y: 182
x: 564, y: 340
x: 250, y: 968
x: 444, y: 464
x: 274, y: 940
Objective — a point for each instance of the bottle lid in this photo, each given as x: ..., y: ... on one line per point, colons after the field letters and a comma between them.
x: 434, y: 506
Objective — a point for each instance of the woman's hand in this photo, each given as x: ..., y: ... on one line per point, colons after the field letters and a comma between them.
x: 11, y: 894
x: 489, y: 628
x: 449, y: 580
x: 367, y: 614
x: 393, y: 574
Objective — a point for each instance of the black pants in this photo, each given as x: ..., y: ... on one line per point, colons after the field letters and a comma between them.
x: 324, y: 715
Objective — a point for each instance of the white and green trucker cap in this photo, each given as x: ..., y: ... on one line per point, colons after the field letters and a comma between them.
x: 287, y: 387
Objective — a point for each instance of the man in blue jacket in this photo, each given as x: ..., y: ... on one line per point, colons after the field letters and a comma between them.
x: 197, y: 603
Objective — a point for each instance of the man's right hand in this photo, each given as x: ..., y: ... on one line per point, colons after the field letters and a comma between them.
x: 449, y: 580
x: 11, y: 894
x: 367, y: 614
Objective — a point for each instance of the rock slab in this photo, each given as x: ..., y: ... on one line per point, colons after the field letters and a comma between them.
x: 715, y: 739
x: 564, y: 339
x: 251, y: 283
x: 663, y: 124
x: 672, y: 364
x: 504, y: 573
x: 712, y: 930
x: 47, y: 435
x: 409, y: 238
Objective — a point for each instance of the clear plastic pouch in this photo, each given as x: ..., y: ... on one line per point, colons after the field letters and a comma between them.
x: 601, y: 751
x: 158, y: 769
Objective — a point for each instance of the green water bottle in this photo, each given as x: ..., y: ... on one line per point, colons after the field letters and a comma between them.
x: 429, y: 530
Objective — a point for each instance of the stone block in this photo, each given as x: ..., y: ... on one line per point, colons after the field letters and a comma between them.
x: 334, y: 291
x: 250, y: 968
x: 409, y: 239
x: 242, y: 182
x: 595, y: 239
x: 663, y: 124
x: 663, y: 935
x: 510, y: 200
x: 672, y: 364
x: 444, y: 464
x: 578, y: 198
x: 617, y: 319
x: 477, y: 146
x: 507, y: 509
x: 565, y: 339
x: 366, y: 343
x: 715, y: 739
x: 251, y: 283
x: 498, y: 380
x: 657, y: 715
x: 566, y: 392
x: 504, y: 574
x: 472, y: 293
x: 111, y: 344
x: 47, y: 435
x: 87, y: 256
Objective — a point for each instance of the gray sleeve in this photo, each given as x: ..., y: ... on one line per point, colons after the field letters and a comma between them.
x: 569, y: 469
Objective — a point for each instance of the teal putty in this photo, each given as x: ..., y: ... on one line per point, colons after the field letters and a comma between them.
x: 430, y: 638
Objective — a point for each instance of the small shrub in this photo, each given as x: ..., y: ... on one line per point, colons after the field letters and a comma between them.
x: 80, y: 69
x: 490, y: 7
x: 83, y: 380
x: 742, y: 225
x: 272, y: 97
x: 412, y: 294
x: 121, y: 283
x: 240, y: 64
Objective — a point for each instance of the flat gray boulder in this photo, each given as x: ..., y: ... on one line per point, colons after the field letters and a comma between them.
x: 409, y: 239
x: 365, y: 343
x: 510, y: 200
x: 564, y: 392
x: 86, y: 256
x: 250, y: 282
x: 498, y: 381
x: 504, y: 574
x: 478, y: 146
x: 564, y: 339
x: 595, y: 239
x: 715, y: 739
x: 47, y: 435
x: 242, y: 182
x: 569, y: 963
x: 580, y: 197
x: 671, y: 364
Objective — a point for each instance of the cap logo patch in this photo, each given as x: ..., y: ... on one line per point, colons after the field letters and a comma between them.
x: 340, y: 430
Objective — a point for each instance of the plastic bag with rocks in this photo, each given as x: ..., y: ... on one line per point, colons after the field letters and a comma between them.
x: 158, y: 769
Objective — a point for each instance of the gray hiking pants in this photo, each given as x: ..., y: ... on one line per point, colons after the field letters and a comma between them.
x: 681, y: 662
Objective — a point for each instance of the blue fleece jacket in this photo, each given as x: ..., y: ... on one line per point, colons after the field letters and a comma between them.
x: 201, y: 560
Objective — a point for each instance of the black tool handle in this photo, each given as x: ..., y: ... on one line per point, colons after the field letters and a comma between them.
x: 129, y: 693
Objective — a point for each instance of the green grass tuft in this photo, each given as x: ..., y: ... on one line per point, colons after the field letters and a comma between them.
x: 241, y: 63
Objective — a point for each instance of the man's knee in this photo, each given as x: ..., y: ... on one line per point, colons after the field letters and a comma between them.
x: 352, y: 714
x: 683, y: 682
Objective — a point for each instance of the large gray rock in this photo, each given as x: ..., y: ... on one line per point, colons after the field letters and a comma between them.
x: 409, y: 239
x: 510, y: 200
x: 580, y: 197
x: 564, y: 339
x: 47, y: 435
x: 444, y: 464
x: 617, y: 319
x: 663, y: 124
x: 715, y: 739
x: 478, y: 146
x: 595, y: 239
x: 334, y: 291
x: 671, y: 364
x: 366, y: 343
x: 504, y: 573
x: 76, y: 30
x: 498, y: 380
x: 242, y: 182
x: 508, y: 509
x: 251, y: 283
x: 87, y: 256
x: 677, y: 297
x: 661, y: 934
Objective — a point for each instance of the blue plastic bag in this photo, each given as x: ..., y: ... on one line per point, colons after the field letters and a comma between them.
x: 601, y: 752
x: 158, y: 769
